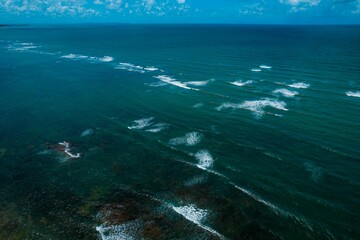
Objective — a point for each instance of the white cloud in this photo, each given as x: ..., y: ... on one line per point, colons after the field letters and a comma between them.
x: 181, y: 1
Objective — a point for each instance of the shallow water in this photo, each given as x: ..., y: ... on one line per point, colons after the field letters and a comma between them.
x: 185, y: 132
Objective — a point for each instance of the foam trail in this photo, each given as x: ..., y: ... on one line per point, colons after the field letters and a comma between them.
x: 205, y: 160
x: 197, y: 216
x: 256, y: 70
x: 353, y: 94
x: 158, y: 127
x: 241, y: 83
x: 190, y: 139
x: 74, y: 56
x: 257, y: 106
x: 285, y: 92
x: 141, y: 123
x: 299, y: 85
x: 174, y: 82
x: 265, y: 67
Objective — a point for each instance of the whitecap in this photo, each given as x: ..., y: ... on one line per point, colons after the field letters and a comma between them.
x: 197, y: 83
x: 314, y: 170
x: 256, y: 106
x: 196, y: 216
x: 106, y: 59
x: 256, y: 70
x: 353, y: 94
x: 299, y: 85
x: 198, y: 105
x: 285, y: 92
x: 173, y: 81
x: 241, y: 83
x: 190, y: 139
x: 265, y: 67
x: 74, y: 56
x: 151, y: 69
x: 87, y: 132
x: 205, y: 160
x: 126, y: 231
x: 130, y: 67
x: 141, y: 123
x: 158, y: 127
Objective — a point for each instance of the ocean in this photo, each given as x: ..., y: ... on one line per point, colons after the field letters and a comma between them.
x: 179, y: 132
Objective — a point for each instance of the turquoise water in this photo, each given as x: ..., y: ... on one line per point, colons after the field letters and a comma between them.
x: 184, y: 132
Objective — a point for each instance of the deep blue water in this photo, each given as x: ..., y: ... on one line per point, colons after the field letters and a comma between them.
x: 184, y: 132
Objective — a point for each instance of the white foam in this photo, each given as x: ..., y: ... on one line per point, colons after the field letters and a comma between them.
x: 197, y: 216
x: 197, y: 83
x: 198, y: 105
x: 157, y: 84
x: 190, y: 139
x: 68, y: 149
x: 126, y: 231
x: 195, y: 180
x: 299, y: 85
x: 314, y: 170
x: 74, y: 56
x: 158, y: 127
x: 258, y: 199
x: 353, y: 94
x: 205, y: 160
x: 106, y: 59
x: 241, y: 83
x: 173, y: 81
x: 130, y: 67
x: 141, y: 123
x: 256, y: 70
x: 87, y: 132
x: 265, y: 67
x: 256, y: 106
x: 285, y: 92
x: 151, y: 69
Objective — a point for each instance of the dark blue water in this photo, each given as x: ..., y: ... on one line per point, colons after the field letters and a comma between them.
x: 183, y: 132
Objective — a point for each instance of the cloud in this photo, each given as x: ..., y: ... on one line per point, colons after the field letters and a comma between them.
x: 181, y: 1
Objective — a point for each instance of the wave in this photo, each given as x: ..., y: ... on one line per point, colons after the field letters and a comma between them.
x: 353, y: 94
x: 151, y: 69
x: 315, y: 171
x: 241, y: 83
x: 141, y: 123
x: 126, y: 231
x: 285, y: 92
x: 130, y: 67
x: 74, y: 56
x: 174, y: 82
x: 197, y: 83
x: 257, y: 106
x: 197, y: 216
x: 265, y: 67
x: 299, y: 85
x: 256, y: 70
x: 87, y: 132
x: 205, y: 160
x: 158, y: 127
x: 106, y: 59
x: 198, y: 105
x: 190, y: 139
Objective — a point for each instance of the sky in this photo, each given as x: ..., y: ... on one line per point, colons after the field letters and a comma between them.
x: 181, y: 11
